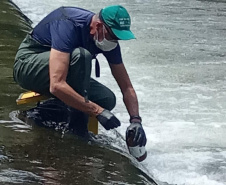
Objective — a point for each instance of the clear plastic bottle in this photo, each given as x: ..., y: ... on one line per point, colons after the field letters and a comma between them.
x: 135, y: 150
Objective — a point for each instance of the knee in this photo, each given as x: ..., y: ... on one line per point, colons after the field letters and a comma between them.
x: 80, y: 54
x: 79, y: 70
x: 110, y: 101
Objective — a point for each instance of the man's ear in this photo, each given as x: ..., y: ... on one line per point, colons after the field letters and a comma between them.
x: 96, y: 26
x: 99, y: 24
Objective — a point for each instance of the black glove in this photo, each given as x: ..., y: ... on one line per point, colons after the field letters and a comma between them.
x: 108, y: 120
x: 137, y: 130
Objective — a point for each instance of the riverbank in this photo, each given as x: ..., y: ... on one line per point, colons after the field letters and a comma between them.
x: 13, y: 27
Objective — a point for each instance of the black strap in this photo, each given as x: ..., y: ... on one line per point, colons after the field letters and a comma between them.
x: 87, y: 69
x: 97, y: 68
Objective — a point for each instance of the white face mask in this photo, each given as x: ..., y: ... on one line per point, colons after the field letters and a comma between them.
x: 105, y: 45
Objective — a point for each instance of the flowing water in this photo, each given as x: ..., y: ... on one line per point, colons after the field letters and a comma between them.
x: 177, y: 65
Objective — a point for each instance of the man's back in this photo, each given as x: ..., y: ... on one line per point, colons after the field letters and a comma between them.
x: 64, y: 29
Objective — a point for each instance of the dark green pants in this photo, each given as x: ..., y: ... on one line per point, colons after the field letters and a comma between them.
x: 31, y: 72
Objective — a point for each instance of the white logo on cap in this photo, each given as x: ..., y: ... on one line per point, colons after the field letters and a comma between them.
x: 124, y: 22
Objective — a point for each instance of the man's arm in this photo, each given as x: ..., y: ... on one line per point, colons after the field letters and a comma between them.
x: 130, y: 99
x: 58, y: 70
x: 129, y: 95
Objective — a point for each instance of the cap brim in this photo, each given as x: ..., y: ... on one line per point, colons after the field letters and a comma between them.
x: 123, y: 34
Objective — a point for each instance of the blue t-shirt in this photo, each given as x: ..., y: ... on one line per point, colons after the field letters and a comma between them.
x: 67, y: 28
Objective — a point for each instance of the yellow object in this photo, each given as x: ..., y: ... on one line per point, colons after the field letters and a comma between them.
x: 32, y: 97
x: 93, y: 125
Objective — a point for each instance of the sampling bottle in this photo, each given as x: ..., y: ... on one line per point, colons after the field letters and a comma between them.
x: 139, y: 152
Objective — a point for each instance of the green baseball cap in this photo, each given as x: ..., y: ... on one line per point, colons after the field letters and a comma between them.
x: 118, y: 20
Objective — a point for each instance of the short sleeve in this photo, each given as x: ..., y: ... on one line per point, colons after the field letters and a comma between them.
x: 114, y: 56
x: 63, y: 35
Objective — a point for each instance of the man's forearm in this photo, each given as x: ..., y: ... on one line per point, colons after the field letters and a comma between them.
x: 66, y: 94
x: 131, y: 102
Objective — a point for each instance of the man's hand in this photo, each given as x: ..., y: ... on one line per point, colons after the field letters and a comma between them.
x: 108, y: 120
x: 139, y: 134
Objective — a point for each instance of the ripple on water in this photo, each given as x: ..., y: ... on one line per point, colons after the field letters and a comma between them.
x: 2, y: 158
x: 15, y: 176
x: 18, y: 176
